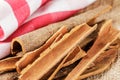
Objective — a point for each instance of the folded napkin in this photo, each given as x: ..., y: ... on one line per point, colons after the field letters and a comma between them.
x: 22, y: 16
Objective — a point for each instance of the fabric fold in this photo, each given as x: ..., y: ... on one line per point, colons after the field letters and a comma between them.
x: 14, y: 13
x: 52, y: 11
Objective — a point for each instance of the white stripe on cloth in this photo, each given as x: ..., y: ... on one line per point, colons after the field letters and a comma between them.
x: 8, y: 22
x: 33, y: 5
x: 4, y: 49
x: 59, y: 6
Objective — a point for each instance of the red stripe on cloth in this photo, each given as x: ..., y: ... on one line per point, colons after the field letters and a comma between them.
x: 1, y: 33
x: 20, y: 9
x: 44, y: 1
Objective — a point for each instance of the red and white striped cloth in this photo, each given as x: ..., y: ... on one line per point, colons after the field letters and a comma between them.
x: 21, y: 16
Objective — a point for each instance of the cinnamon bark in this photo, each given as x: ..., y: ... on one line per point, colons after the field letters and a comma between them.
x: 35, y: 39
x: 57, y: 52
x: 77, y: 54
x: 30, y: 57
x: 71, y: 57
x: 107, y: 35
x: 8, y: 64
x: 102, y: 63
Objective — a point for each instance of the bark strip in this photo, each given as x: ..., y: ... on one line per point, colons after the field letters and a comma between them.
x: 57, y: 52
x: 8, y: 64
x: 30, y: 57
x: 106, y: 36
x: 102, y: 63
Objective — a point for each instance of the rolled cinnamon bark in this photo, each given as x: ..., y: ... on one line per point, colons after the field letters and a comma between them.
x: 102, y: 63
x: 56, y: 52
x: 30, y: 57
x: 107, y: 35
x: 8, y: 64
x: 35, y: 39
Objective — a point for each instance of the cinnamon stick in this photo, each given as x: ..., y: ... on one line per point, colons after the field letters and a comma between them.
x: 102, y: 63
x: 30, y: 57
x: 106, y: 36
x: 71, y: 57
x: 57, y: 52
x: 77, y: 54
x: 8, y: 64
x: 32, y: 40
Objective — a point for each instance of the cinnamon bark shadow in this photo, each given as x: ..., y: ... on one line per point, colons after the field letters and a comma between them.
x: 12, y: 75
